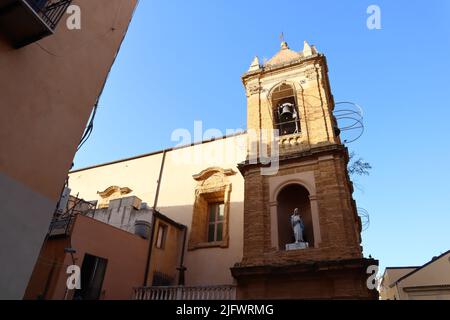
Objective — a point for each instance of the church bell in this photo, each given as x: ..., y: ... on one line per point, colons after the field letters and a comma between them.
x: 286, y: 112
x: 287, y: 116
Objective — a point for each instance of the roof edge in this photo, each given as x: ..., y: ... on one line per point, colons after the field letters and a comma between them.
x: 421, y: 267
x: 158, y: 152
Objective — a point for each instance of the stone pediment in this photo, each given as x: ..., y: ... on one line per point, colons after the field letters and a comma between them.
x: 205, y: 174
x: 111, y: 193
x: 114, y: 190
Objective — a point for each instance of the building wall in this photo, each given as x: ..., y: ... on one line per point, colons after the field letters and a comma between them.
x: 205, y: 266
x: 48, y: 91
x: 436, y: 274
x: 140, y: 175
x: 390, y: 276
x: 166, y: 259
x: 126, y: 254
x: 333, y: 283
x: 429, y: 282
x: 50, y: 266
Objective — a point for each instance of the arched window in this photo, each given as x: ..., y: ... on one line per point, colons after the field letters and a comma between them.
x: 290, y: 197
x: 285, y: 111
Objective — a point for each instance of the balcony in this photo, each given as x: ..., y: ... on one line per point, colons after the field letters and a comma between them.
x: 61, y: 227
x: 63, y: 221
x: 225, y: 292
x: 26, y: 21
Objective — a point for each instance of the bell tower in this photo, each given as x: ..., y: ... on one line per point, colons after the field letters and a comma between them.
x: 290, y: 96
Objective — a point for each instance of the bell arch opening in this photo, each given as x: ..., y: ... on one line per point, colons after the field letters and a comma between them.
x: 290, y: 197
x: 285, y: 110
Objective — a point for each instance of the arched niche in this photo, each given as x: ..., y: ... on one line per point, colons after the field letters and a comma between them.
x: 288, y: 198
x: 277, y: 184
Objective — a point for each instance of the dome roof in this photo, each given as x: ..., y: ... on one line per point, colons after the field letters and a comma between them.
x: 283, y: 56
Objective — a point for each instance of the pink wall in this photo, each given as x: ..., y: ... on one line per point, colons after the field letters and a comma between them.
x: 126, y: 254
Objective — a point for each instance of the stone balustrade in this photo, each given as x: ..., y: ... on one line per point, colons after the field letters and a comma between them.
x: 223, y: 292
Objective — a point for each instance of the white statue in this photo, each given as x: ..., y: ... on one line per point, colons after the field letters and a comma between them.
x: 297, y: 226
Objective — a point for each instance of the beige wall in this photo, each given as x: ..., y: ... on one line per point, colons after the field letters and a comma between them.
x: 140, y: 175
x: 387, y: 291
x: 429, y: 278
x: 429, y: 282
x: 47, y: 93
x: 206, y: 266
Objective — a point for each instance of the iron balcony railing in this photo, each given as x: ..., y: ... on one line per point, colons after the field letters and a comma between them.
x: 61, y: 226
x: 62, y: 222
x: 50, y: 11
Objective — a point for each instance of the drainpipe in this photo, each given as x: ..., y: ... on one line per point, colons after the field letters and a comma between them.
x: 182, y: 269
x: 152, y: 232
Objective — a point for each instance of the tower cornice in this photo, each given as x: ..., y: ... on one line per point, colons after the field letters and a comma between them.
x: 266, y: 70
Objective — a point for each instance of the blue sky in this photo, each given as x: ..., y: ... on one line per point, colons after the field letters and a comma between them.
x: 182, y: 60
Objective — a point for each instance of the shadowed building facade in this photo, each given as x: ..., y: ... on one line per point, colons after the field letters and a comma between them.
x: 50, y: 79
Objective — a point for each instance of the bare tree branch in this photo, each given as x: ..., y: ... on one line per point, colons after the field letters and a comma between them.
x: 358, y: 166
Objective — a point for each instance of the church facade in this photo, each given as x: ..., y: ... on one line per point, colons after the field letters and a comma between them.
x: 236, y: 194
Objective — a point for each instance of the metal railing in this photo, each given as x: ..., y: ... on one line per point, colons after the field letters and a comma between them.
x: 62, y: 222
x: 60, y: 226
x: 223, y: 292
x: 51, y: 11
